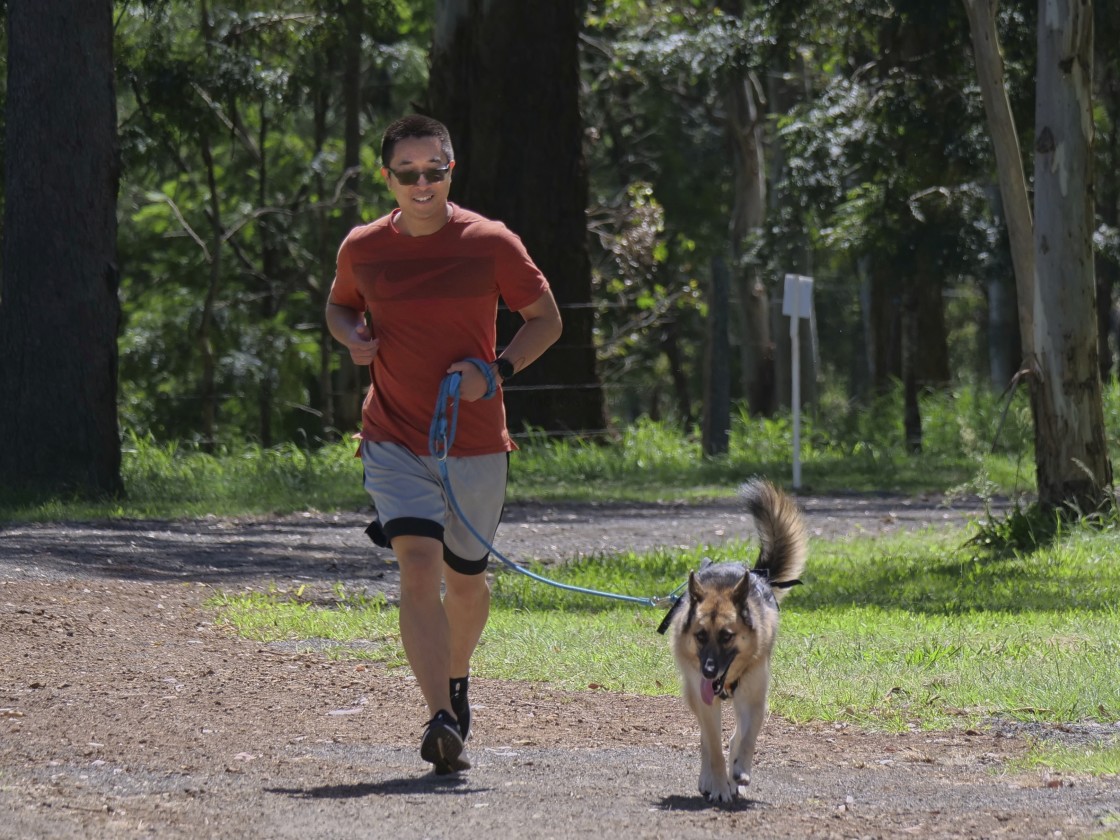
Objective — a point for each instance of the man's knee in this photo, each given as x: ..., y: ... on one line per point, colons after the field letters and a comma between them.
x: 467, y: 586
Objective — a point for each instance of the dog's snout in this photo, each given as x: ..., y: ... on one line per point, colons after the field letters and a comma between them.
x: 709, y: 668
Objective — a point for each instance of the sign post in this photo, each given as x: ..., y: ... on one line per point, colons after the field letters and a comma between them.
x: 797, y: 303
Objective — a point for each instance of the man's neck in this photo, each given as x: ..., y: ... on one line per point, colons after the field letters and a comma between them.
x: 410, y: 226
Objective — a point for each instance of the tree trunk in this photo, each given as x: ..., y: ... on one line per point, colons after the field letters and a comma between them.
x: 326, y: 247
x: 204, y: 337
x: 1004, y: 343
x: 351, y: 381
x: 1071, y: 450
x: 505, y: 80
x: 717, y: 375
x: 59, y: 312
x: 745, y: 129
x: 671, y: 347
x: 1009, y: 160
x: 884, y: 328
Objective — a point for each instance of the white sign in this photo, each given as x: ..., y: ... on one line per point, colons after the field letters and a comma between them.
x: 798, y: 298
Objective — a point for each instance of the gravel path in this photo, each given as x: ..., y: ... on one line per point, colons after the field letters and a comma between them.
x: 125, y: 711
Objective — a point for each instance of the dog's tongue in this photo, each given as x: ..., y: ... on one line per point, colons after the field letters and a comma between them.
x: 707, y: 691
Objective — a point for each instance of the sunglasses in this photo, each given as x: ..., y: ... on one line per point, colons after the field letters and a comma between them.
x: 410, y: 177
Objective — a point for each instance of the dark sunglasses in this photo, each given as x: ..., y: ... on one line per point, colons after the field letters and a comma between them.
x: 410, y: 177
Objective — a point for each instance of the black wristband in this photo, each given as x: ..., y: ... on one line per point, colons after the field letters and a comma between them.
x: 505, y: 368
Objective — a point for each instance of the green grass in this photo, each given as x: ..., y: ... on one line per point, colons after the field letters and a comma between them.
x: 843, y: 449
x: 916, y: 632
x: 1098, y: 759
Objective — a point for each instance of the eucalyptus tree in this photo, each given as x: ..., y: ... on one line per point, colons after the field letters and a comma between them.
x: 1054, y: 249
x: 1106, y: 70
x: 58, y: 300
x: 1071, y: 449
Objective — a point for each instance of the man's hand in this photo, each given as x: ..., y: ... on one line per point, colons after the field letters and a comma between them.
x: 472, y: 385
x: 362, y: 345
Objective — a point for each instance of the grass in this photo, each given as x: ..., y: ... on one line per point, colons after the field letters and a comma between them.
x: 842, y: 449
x: 916, y: 632
x: 1098, y: 759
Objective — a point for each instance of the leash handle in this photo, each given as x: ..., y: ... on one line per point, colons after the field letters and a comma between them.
x: 441, y: 434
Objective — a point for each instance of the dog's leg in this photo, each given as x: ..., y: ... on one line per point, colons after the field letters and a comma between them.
x: 750, y: 712
x: 714, y: 784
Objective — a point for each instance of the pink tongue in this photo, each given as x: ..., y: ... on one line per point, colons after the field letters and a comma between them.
x: 707, y: 691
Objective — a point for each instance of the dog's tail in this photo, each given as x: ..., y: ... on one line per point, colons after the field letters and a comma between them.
x: 781, y: 530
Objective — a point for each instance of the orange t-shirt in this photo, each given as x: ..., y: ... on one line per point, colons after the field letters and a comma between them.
x: 433, y: 300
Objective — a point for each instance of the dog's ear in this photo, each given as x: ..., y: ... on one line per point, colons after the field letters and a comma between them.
x: 745, y: 614
x: 695, y: 590
x: 741, y: 598
x: 742, y: 589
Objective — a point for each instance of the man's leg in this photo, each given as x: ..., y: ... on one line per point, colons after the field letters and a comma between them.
x: 425, y: 631
x: 467, y: 607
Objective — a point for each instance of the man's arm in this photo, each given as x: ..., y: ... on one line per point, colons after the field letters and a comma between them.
x: 539, y: 332
x: 348, y: 326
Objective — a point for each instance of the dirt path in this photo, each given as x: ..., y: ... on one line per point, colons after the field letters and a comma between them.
x: 126, y: 712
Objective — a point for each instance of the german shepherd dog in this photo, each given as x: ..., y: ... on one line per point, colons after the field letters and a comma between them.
x: 722, y: 633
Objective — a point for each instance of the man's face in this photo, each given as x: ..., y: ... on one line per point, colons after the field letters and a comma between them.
x: 423, y: 204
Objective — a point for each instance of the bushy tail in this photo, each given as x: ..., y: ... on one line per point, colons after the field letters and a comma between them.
x: 781, y: 530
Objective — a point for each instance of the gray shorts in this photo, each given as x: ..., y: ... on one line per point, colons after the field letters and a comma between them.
x: 408, y: 493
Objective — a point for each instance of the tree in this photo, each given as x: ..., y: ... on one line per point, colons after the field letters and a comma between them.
x: 505, y: 80
x: 59, y: 311
x: 1055, y: 274
x: 1071, y: 452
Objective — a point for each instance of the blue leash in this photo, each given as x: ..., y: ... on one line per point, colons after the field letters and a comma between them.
x: 440, y: 437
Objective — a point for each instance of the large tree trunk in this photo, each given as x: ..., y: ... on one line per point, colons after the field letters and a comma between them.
x: 1071, y: 449
x: 745, y: 128
x: 505, y: 80
x: 59, y: 312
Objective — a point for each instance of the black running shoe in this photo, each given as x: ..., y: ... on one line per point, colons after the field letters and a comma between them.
x: 443, y: 745
x: 461, y: 707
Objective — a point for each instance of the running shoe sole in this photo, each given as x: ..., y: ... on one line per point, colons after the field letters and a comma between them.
x: 443, y: 747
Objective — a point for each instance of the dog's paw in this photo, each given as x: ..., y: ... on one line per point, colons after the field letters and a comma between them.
x: 716, y: 788
x: 740, y: 782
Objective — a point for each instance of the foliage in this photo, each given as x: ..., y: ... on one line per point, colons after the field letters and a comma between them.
x: 235, y: 193
x: 232, y: 204
x: 846, y: 449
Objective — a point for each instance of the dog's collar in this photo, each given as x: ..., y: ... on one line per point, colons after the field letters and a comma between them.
x: 781, y: 584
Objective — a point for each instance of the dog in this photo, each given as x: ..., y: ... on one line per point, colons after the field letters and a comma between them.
x: 723, y: 629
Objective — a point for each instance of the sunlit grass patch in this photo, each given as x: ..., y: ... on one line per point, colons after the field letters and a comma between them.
x: 913, y: 632
x: 1098, y: 759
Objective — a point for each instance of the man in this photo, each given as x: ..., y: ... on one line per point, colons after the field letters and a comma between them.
x: 429, y: 276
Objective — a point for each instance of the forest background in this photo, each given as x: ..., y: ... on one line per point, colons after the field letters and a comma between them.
x: 723, y: 145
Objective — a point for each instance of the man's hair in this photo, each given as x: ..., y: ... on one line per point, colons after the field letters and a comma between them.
x: 414, y: 126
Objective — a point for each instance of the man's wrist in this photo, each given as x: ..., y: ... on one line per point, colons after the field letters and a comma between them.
x: 504, y: 369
